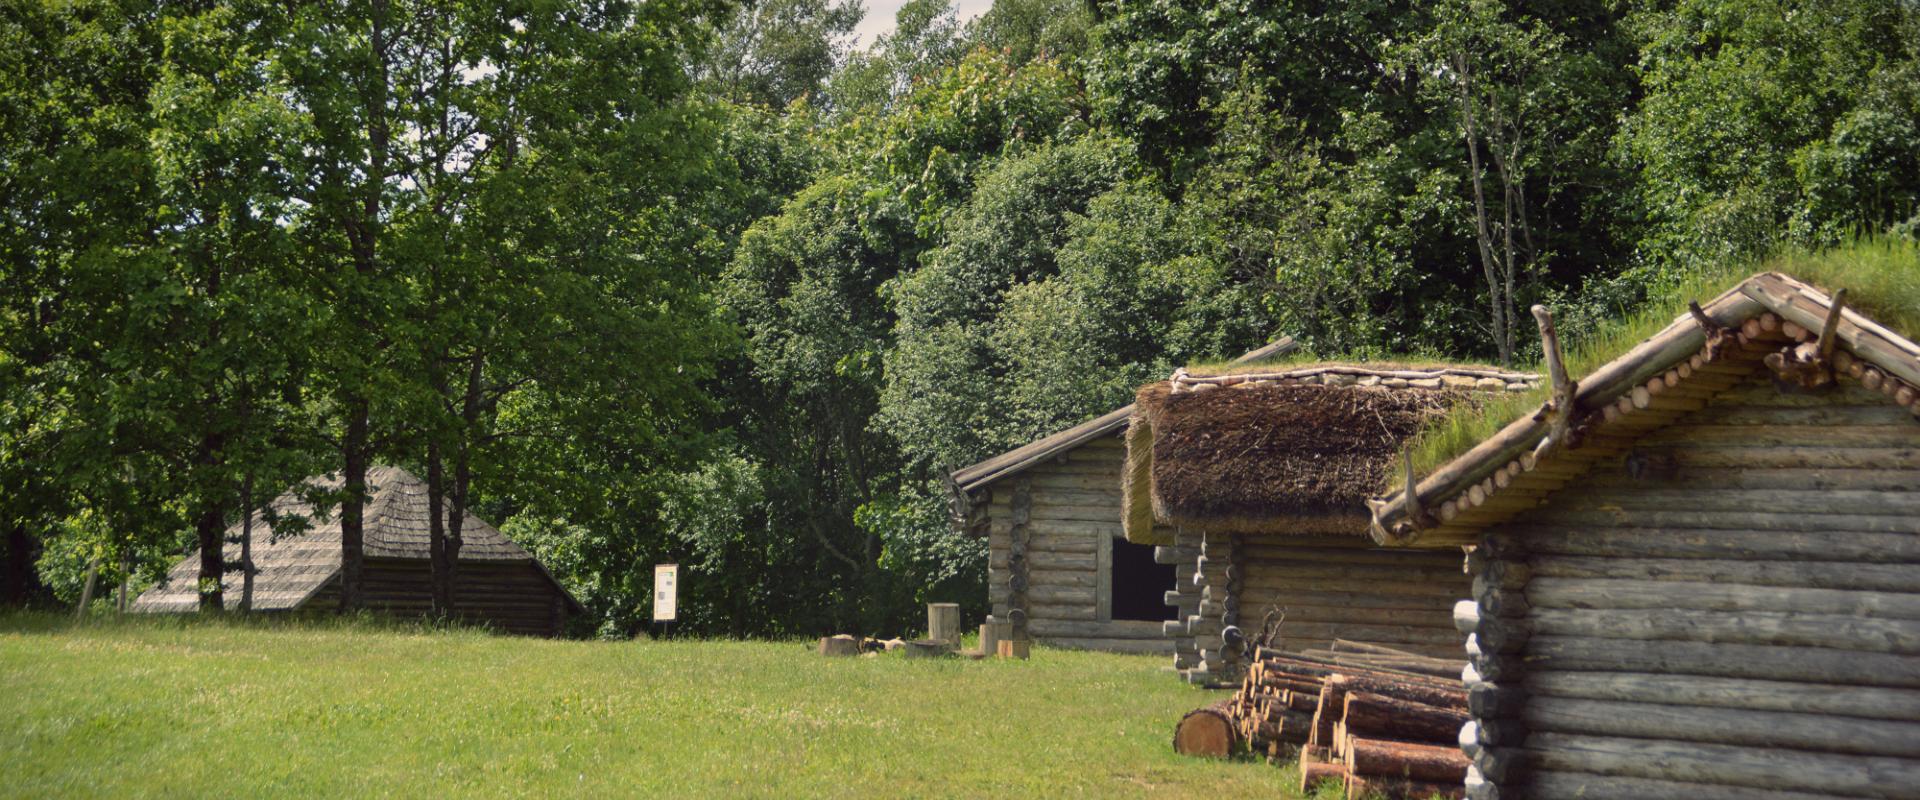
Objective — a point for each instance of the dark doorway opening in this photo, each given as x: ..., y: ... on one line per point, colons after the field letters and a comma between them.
x: 1140, y: 585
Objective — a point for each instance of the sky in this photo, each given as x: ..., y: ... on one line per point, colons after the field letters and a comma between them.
x: 879, y: 18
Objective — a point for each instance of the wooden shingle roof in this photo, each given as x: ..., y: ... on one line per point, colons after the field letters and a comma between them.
x: 290, y: 570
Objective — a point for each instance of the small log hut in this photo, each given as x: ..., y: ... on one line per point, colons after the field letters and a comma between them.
x: 1255, y: 484
x: 1050, y: 511
x: 497, y: 583
x: 1696, y: 571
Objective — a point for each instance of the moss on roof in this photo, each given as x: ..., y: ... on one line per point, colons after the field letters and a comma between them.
x: 1882, y: 277
x: 1303, y: 359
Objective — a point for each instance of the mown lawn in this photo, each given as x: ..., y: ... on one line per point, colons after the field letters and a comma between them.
x: 191, y: 708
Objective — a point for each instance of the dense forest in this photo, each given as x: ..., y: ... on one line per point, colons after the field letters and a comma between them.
x: 699, y: 281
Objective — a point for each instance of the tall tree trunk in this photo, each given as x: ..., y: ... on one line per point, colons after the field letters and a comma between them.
x: 246, y: 544
x: 210, y: 528
x: 353, y: 507
x: 1496, y: 301
x: 437, y: 532
x: 471, y: 409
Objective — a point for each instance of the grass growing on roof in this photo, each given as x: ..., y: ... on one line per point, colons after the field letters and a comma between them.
x: 1882, y: 277
x: 1301, y: 360
x: 183, y: 707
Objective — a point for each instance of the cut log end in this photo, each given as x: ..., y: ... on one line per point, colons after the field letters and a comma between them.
x: 1207, y: 731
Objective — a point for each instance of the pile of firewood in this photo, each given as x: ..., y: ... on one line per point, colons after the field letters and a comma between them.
x: 1389, y: 731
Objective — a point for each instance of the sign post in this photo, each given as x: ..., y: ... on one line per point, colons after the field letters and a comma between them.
x: 666, y: 590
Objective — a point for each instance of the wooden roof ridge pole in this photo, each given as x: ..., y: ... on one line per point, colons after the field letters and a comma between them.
x: 1809, y: 363
x: 1559, y: 410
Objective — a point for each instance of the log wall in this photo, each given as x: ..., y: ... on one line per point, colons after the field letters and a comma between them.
x: 1730, y: 610
x: 1343, y: 587
x: 1050, y: 533
x: 511, y: 597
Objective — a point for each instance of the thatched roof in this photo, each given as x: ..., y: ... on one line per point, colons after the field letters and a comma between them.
x: 1766, y: 315
x: 1020, y: 459
x: 290, y: 570
x: 1294, y: 451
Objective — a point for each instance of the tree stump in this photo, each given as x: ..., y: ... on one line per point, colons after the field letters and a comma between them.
x: 927, y: 648
x: 1016, y: 648
x: 842, y: 645
x: 943, y: 623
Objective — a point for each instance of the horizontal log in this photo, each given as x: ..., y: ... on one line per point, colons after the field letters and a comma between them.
x: 1660, y: 497
x: 1807, y: 574
x: 1840, y: 632
x: 1875, y: 412
x: 1724, y: 457
x: 1383, y: 634
x: 1810, y: 664
x: 1588, y: 786
x: 1085, y: 629
x: 1757, y: 695
x: 1433, y: 616
x: 1369, y: 787
x: 1746, y: 545
x: 1037, y: 610
x: 1349, y: 597
x: 1061, y: 595
x: 1784, y: 435
x: 1418, y: 559
x: 1793, y: 520
x: 1419, y: 762
x: 1051, y: 560
x: 1274, y: 575
x: 1600, y: 593
x: 1106, y: 496
x: 1062, y: 578
x: 1860, y: 479
x: 1070, y: 527
x: 1382, y: 717
x: 1769, y: 768
x: 1082, y: 478
x: 1452, y: 589
x: 1688, y: 723
x: 1154, y: 646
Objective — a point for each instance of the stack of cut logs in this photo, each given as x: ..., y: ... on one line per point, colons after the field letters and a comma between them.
x: 1369, y: 720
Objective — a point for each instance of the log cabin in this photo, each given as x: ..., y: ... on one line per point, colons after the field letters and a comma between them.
x: 498, y: 584
x: 1696, y: 570
x: 1050, y: 511
x: 1255, y: 482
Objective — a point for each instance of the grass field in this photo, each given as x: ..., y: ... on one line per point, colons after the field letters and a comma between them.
x: 192, y: 708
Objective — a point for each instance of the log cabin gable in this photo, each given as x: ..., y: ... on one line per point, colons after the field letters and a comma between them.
x: 1750, y: 330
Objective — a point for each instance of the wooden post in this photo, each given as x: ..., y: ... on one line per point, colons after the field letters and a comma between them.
x: 1103, y: 577
x: 991, y: 632
x: 943, y: 623
x: 1560, y: 408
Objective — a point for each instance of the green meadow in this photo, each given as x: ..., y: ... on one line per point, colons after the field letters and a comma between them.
x: 208, y: 708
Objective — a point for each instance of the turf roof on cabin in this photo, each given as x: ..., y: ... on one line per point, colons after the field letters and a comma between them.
x: 1882, y: 275
x: 1296, y: 451
x: 1883, y: 282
